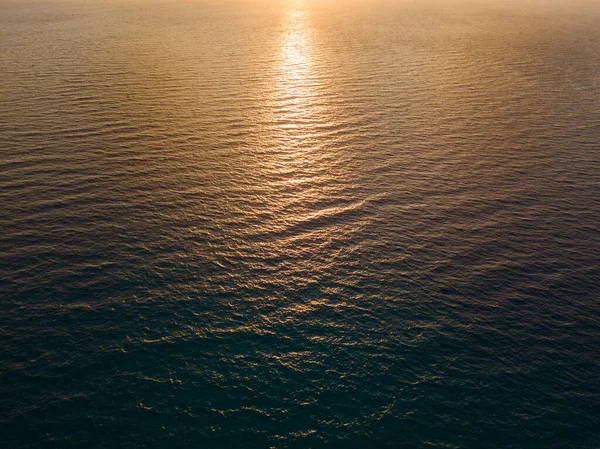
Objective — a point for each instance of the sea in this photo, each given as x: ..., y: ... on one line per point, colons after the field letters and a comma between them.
x: 308, y: 224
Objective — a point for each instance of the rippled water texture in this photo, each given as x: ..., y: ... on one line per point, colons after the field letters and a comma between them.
x: 300, y: 224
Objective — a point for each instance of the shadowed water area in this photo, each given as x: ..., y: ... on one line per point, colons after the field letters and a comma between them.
x: 300, y: 224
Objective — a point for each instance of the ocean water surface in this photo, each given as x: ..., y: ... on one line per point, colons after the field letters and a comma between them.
x: 300, y: 224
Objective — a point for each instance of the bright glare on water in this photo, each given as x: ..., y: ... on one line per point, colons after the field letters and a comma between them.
x: 300, y: 224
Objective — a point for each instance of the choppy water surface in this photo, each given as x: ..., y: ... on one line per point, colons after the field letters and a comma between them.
x: 300, y: 224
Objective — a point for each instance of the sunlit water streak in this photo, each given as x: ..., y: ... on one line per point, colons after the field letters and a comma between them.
x: 300, y: 224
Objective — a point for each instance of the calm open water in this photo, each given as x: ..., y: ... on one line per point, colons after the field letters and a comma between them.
x: 300, y: 224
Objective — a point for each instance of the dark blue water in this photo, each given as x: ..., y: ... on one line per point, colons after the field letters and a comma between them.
x: 300, y: 224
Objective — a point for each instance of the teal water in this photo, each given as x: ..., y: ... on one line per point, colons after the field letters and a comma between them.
x: 300, y: 224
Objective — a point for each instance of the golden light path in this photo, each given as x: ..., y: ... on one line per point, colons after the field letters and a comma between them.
x: 303, y: 172
x: 296, y: 80
x: 294, y: 102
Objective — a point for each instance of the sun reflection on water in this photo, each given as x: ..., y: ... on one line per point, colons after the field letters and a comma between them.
x: 296, y: 80
x: 302, y: 170
x: 296, y: 62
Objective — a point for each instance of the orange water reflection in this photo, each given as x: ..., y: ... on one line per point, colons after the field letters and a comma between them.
x: 296, y: 79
